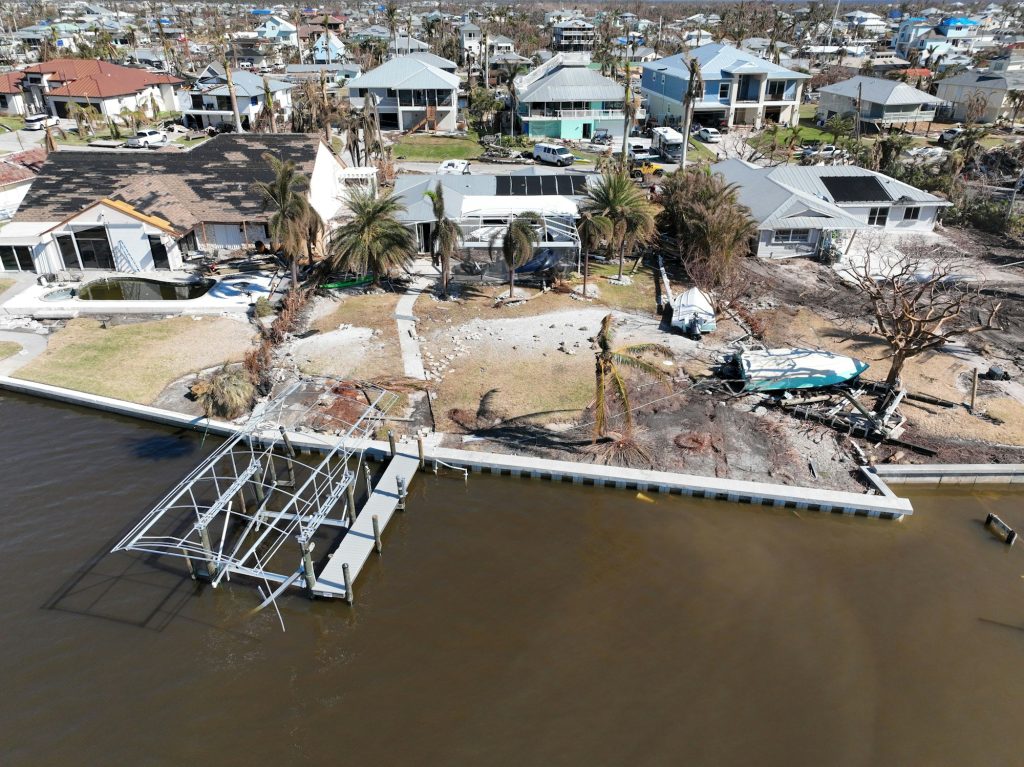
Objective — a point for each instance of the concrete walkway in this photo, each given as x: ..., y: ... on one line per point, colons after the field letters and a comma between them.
x: 408, y: 338
x: 32, y: 345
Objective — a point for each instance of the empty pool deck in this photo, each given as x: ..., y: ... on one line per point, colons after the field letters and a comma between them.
x: 360, y: 539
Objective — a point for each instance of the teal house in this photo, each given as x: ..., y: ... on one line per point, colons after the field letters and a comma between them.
x: 565, y: 98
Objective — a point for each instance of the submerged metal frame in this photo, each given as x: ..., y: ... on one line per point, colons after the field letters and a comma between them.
x: 289, y: 498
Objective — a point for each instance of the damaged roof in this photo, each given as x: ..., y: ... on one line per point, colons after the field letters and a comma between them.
x: 212, y: 183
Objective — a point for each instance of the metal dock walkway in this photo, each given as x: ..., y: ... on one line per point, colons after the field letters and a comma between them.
x: 359, y: 541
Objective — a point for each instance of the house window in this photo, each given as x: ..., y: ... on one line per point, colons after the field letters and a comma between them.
x: 788, y: 236
x: 911, y: 214
x: 254, y: 101
x: 723, y: 90
x: 16, y: 259
x: 878, y: 216
x: 3, y: 100
x: 776, y: 90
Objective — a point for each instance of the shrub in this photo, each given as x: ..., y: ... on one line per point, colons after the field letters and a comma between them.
x: 259, y: 364
x: 224, y: 394
x: 263, y: 307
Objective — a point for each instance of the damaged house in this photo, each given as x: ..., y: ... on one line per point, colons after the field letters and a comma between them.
x: 128, y: 212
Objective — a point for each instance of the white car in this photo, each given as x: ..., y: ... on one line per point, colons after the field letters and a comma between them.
x: 147, y: 138
x: 709, y: 135
x: 40, y: 122
x: 453, y: 168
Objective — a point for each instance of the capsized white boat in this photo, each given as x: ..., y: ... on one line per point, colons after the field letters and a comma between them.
x: 692, y: 313
x: 781, y: 369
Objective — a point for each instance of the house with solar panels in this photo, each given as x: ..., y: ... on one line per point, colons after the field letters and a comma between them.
x: 565, y: 98
x: 801, y: 210
x: 483, y: 206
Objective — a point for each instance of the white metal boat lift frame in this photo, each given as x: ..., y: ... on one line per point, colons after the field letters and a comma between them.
x: 207, y: 518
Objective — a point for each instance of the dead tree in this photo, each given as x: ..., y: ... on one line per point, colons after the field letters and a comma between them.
x: 920, y: 304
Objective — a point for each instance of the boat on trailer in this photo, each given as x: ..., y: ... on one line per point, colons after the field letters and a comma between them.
x: 692, y: 313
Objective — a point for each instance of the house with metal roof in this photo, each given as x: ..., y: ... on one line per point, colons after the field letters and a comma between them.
x: 328, y: 49
x: 565, y: 98
x: 878, y: 102
x: 279, y: 31
x: 801, y: 210
x: 740, y: 88
x: 410, y: 94
x: 207, y: 103
x: 483, y: 206
x: 995, y: 87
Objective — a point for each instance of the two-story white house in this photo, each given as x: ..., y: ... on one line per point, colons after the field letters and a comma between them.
x: 878, y: 102
x: 573, y: 35
x: 410, y: 95
x: 470, y: 40
x: 208, y: 102
x: 739, y: 88
x: 53, y: 86
x: 565, y: 98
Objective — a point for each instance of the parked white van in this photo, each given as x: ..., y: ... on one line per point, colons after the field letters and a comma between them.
x: 553, y: 154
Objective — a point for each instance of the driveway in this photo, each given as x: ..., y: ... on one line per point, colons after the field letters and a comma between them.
x: 19, y: 140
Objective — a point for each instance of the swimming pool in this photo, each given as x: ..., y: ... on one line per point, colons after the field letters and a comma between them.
x: 141, y: 289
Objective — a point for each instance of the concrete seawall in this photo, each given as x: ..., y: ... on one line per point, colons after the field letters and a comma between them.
x: 885, y: 505
x: 953, y: 473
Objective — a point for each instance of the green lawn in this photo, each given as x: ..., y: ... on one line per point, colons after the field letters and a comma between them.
x: 424, y: 148
x: 14, y: 123
x: 700, y: 151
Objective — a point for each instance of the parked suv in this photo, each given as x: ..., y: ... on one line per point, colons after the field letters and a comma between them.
x: 950, y: 135
x: 147, y: 138
x: 40, y: 122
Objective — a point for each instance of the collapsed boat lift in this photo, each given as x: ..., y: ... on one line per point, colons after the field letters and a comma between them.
x: 255, y: 505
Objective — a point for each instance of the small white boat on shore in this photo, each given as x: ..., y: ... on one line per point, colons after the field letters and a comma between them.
x: 693, y: 314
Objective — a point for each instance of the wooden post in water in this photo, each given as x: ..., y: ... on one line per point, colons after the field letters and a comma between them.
x: 290, y: 454
x: 376, y: 533
x: 188, y: 563
x: 307, y: 567
x: 369, y: 479
x: 419, y: 444
x: 391, y: 442
x: 211, y: 563
x: 974, y: 389
x: 400, y: 481
x: 350, y: 492
x: 349, y: 595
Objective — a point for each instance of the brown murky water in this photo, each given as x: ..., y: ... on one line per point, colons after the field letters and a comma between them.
x: 508, y: 623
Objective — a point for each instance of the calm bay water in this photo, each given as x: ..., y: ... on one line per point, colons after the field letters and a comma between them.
x: 508, y: 623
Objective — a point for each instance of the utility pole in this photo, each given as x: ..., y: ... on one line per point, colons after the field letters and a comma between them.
x: 693, y: 86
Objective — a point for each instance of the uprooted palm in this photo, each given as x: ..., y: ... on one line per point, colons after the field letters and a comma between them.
x: 611, y: 364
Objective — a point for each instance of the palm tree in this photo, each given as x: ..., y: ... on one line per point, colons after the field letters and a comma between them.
x: 616, y: 198
x: 517, y: 243
x: 710, y: 226
x: 839, y: 125
x: 610, y: 367
x: 289, y: 225
x: 694, y: 92
x: 1016, y: 102
x: 446, y: 236
x: 373, y: 240
x: 391, y: 20
x: 593, y: 229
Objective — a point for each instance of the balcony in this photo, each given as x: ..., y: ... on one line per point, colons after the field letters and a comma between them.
x: 575, y: 114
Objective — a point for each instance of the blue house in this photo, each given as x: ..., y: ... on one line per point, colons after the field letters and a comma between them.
x: 739, y: 88
x: 328, y: 49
